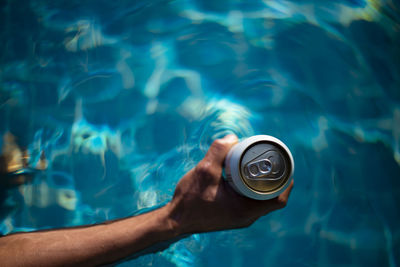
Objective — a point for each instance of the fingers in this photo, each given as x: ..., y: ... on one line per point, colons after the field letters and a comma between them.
x: 219, y: 149
x: 210, y: 167
x: 285, y: 195
x: 281, y: 201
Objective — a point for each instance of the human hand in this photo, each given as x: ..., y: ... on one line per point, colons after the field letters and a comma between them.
x: 204, y: 202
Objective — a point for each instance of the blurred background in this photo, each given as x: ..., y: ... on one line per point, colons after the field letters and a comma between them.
x: 104, y: 105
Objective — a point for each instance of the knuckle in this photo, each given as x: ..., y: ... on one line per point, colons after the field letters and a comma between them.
x: 282, y: 203
x: 206, y: 169
x: 219, y: 144
x: 203, y: 169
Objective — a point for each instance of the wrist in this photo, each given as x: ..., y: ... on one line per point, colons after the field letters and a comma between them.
x: 177, y: 220
x: 171, y: 221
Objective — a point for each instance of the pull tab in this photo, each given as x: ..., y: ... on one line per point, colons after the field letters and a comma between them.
x: 260, y: 170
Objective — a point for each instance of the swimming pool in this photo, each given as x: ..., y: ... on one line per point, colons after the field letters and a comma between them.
x: 121, y: 98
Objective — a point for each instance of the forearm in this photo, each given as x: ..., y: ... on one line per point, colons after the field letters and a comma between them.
x: 88, y: 246
x: 202, y: 202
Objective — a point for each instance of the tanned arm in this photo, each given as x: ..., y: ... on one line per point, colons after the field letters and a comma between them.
x: 88, y: 246
x: 202, y: 202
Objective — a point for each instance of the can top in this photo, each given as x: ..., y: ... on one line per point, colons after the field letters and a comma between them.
x: 265, y: 166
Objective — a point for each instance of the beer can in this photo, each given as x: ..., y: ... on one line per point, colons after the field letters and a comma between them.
x: 259, y: 167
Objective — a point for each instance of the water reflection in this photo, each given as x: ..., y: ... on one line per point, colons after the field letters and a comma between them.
x: 114, y: 101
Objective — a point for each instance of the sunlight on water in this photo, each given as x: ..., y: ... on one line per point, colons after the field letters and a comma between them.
x: 105, y: 105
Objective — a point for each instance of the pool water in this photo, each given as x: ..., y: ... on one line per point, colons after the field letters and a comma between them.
x: 116, y: 100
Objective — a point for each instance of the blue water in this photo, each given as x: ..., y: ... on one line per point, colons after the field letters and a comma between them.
x: 123, y: 97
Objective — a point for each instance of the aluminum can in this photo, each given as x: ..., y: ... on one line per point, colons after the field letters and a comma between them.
x: 259, y: 167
